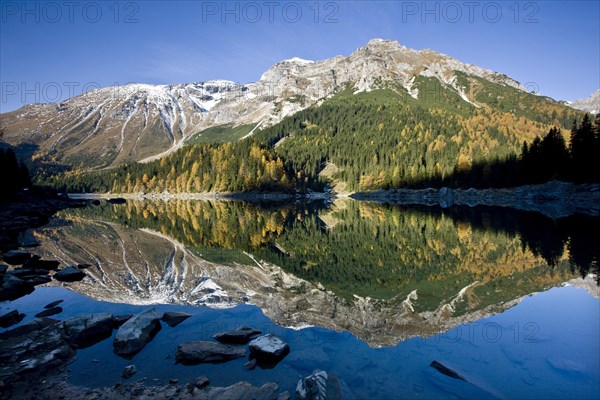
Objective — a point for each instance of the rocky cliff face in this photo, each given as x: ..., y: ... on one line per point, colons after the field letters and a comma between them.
x: 591, y: 104
x: 145, y: 267
x: 110, y: 126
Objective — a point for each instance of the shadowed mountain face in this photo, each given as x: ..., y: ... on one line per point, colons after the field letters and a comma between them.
x: 384, y: 273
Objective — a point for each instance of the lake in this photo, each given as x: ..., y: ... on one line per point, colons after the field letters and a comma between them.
x: 372, y: 293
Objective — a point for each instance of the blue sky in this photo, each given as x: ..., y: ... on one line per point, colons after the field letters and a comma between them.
x: 50, y: 50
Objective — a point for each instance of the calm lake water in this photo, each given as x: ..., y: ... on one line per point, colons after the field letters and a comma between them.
x: 371, y: 293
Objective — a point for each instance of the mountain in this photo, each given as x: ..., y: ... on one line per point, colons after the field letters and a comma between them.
x: 137, y: 122
x: 591, y: 104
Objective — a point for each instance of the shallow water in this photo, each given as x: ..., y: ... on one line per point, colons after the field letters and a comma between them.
x: 375, y: 293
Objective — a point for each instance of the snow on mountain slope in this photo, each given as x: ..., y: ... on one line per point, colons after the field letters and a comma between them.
x: 114, y: 125
x: 591, y: 104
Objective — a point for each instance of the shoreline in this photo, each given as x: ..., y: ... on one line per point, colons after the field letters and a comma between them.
x: 554, y: 199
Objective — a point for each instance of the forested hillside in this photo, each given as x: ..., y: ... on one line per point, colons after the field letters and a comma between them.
x: 354, y: 141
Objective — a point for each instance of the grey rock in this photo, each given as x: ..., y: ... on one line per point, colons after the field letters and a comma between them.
x: 86, y: 330
x: 174, y: 318
x: 16, y: 257
x: 24, y: 272
x: 241, y: 335
x: 134, y: 334
x: 284, y: 396
x: 207, y: 352
x: 268, y: 347
x: 129, y: 371
x: 37, y: 280
x: 11, y: 318
x: 49, y: 312
x: 33, y: 352
x: 251, y: 364
x: 319, y: 386
x: 173, y: 381
x: 244, y: 391
x: 69, y: 274
x: 197, y: 383
x: 28, y: 327
x: 119, y: 320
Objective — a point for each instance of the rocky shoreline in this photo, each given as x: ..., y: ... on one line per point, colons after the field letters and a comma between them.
x: 555, y: 199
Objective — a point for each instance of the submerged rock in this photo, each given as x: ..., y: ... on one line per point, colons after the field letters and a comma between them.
x: 241, y: 335
x: 319, y: 386
x: 245, y: 391
x: 11, y: 318
x: 69, y: 274
x: 197, y: 383
x: 53, y: 304
x: 174, y: 318
x: 129, y: 371
x: 133, y: 335
x: 16, y: 257
x: 49, y: 312
x: 27, y: 327
x: 207, y: 352
x: 268, y: 349
x: 446, y: 371
x: 87, y: 330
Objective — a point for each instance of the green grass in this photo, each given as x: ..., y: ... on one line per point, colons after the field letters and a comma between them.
x: 221, y: 134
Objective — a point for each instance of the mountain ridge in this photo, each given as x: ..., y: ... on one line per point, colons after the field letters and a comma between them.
x: 139, y: 122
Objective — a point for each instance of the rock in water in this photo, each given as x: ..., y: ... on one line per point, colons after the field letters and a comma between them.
x: 49, y: 312
x: 69, y: 274
x: 11, y: 318
x: 16, y: 257
x: 86, y: 330
x: 241, y: 335
x: 319, y: 386
x: 174, y: 318
x: 13, y: 288
x: 129, y: 371
x: 53, y: 304
x: 119, y: 320
x: 268, y: 348
x: 207, y: 352
x: 133, y: 335
x: 446, y: 371
x: 244, y: 391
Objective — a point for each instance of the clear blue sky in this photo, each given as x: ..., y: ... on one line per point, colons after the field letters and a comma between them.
x: 52, y: 49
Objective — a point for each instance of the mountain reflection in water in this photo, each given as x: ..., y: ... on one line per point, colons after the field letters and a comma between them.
x: 383, y: 272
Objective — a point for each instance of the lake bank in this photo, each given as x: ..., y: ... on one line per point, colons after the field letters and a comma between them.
x: 555, y: 199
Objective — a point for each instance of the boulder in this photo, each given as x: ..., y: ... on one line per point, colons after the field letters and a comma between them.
x: 13, y: 288
x: 47, y: 265
x: 268, y: 350
x: 244, y: 391
x: 34, y: 352
x: 207, y: 352
x: 28, y: 327
x: 37, y: 280
x: 134, y: 334
x: 49, y: 312
x: 119, y: 320
x: 69, y: 274
x: 129, y: 371
x: 11, y: 318
x: 174, y: 318
x: 319, y: 386
x: 87, y: 330
x: 197, y: 383
x: 16, y: 257
x: 241, y: 335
